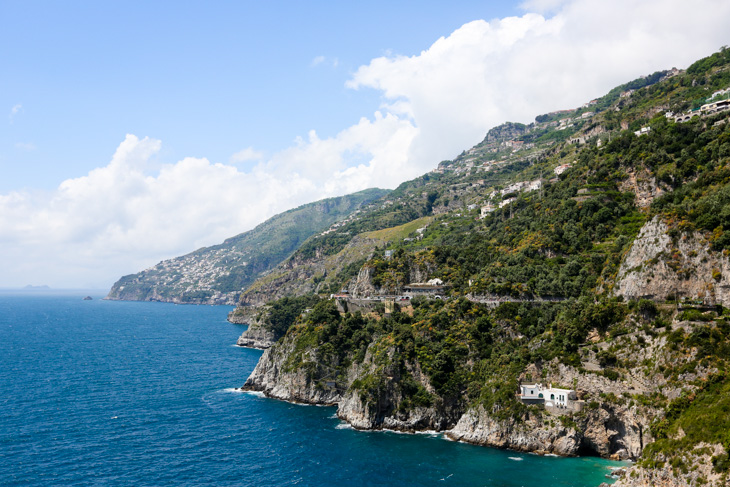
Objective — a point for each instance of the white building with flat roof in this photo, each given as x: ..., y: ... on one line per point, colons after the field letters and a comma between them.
x: 550, y: 396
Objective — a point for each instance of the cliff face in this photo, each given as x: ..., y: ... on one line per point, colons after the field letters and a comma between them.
x: 479, y: 427
x: 377, y: 393
x: 615, y: 432
x: 256, y: 336
x: 278, y: 378
x: 643, y: 185
x: 314, y: 383
x: 658, y: 266
x: 666, y: 476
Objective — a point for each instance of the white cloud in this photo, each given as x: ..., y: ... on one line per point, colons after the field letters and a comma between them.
x: 515, y: 68
x: 133, y: 212
x: 334, y: 62
x: 121, y: 218
x: 247, y: 154
x: 14, y: 111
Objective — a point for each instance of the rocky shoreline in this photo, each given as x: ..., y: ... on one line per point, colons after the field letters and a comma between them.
x: 610, y: 431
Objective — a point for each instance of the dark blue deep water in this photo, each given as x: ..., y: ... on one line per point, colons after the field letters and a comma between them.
x: 121, y: 393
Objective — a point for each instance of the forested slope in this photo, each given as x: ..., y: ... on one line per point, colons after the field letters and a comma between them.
x: 608, y: 278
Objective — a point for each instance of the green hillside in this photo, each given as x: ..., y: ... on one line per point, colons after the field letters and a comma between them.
x: 588, y: 249
x: 217, y: 274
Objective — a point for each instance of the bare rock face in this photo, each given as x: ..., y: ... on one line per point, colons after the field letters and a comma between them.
x: 702, y: 472
x: 643, y: 185
x: 616, y: 430
x: 256, y: 337
x: 363, y: 284
x: 478, y: 427
x: 607, y: 431
x: 657, y: 267
x: 275, y: 377
x: 383, y: 410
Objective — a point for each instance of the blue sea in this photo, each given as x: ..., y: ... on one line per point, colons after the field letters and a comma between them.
x: 124, y: 393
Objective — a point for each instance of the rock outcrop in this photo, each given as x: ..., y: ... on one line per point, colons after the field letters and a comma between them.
x: 289, y: 372
x: 530, y: 435
x: 658, y: 267
x: 278, y: 378
x: 667, y: 476
x: 644, y: 187
x: 256, y: 336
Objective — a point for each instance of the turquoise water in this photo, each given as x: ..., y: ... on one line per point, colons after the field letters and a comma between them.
x: 121, y: 393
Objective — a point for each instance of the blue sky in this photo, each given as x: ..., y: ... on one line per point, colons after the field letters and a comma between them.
x: 207, y: 78
x: 139, y: 131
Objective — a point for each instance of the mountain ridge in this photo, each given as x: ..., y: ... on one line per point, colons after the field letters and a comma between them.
x: 217, y: 274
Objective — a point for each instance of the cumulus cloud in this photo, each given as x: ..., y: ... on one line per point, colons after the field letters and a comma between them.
x: 133, y: 212
x: 247, y: 154
x: 123, y: 217
x: 512, y: 69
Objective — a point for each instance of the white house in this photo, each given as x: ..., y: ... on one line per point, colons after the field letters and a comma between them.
x: 550, y: 396
x: 486, y: 210
x: 506, y: 202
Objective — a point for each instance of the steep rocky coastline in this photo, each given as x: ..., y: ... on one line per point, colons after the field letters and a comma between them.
x: 288, y: 372
x: 256, y: 335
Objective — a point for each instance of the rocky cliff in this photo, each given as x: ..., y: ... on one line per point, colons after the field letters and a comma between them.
x: 377, y: 392
x: 277, y: 376
x: 580, y: 280
x: 257, y: 335
x: 659, y: 266
x: 667, y: 476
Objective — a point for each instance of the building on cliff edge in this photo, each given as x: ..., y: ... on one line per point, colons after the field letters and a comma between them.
x: 551, y: 397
